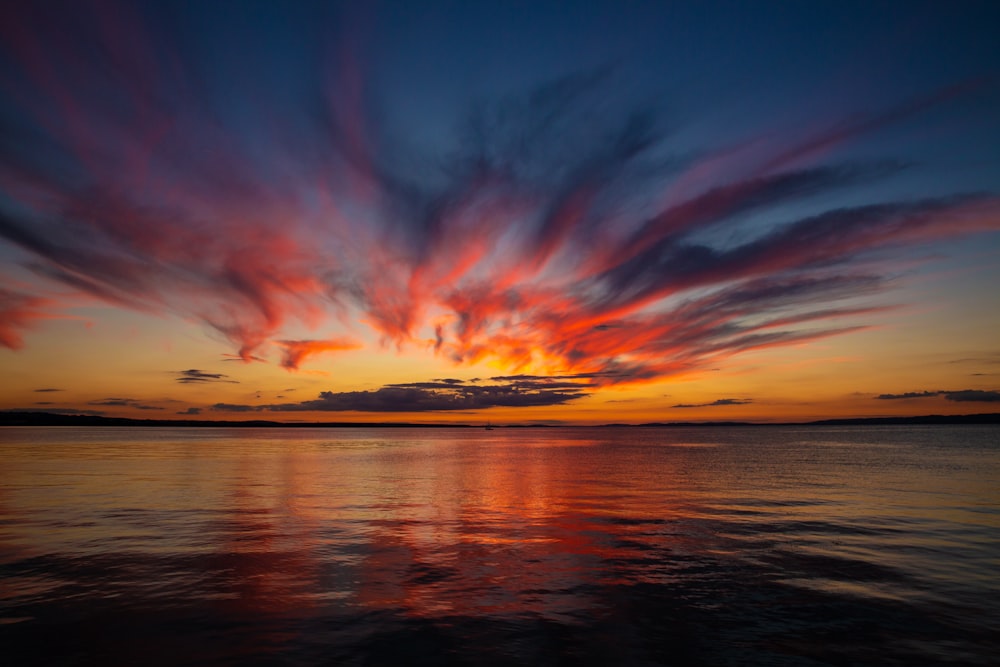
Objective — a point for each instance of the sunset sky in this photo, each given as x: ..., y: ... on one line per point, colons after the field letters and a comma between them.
x: 517, y: 212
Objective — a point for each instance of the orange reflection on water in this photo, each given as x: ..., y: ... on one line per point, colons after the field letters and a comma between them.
x: 269, y: 531
x: 328, y: 545
x: 516, y: 532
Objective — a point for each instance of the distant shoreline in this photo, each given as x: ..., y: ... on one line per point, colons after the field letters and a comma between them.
x: 23, y: 418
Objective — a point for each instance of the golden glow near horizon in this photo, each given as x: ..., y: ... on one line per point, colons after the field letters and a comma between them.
x: 131, y: 369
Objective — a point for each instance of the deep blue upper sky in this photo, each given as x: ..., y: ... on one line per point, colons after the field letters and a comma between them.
x: 717, y: 71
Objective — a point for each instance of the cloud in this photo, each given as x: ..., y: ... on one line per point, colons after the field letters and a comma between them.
x: 19, y: 312
x: 973, y: 396
x: 124, y: 403
x: 48, y: 389
x: 909, y: 394
x: 60, y: 411
x: 721, y: 401
x: 195, y: 376
x: 442, y: 395
x: 560, y: 230
x: 296, y: 351
x: 236, y: 407
x: 958, y: 396
x: 987, y: 359
x: 190, y: 411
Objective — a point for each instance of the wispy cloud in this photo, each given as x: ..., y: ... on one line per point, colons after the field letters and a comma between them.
x: 124, y: 403
x: 47, y: 389
x: 195, y: 376
x: 297, y: 351
x: 61, y: 411
x: 721, y: 401
x: 19, y: 312
x: 958, y: 396
x: 560, y: 231
x: 236, y: 407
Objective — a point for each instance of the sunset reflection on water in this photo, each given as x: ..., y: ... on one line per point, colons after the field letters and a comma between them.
x: 610, y: 545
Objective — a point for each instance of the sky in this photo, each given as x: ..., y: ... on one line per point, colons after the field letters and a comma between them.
x: 507, y: 212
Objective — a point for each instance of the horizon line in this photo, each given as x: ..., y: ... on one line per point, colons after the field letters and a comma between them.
x: 43, y: 418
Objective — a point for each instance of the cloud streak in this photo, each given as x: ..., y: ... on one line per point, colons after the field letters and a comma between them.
x: 559, y: 232
x: 124, y: 403
x: 721, y: 401
x: 436, y: 396
x: 195, y: 376
x: 295, y: 352
x: 19, y: 312
x: 957, y: 396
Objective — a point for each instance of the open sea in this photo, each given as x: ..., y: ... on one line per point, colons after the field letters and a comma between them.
x: 790, y: 545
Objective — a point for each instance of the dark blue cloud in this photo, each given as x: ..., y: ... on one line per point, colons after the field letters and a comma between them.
x: 958, y: 396
x: 195, y: 376
x: 61, y: 411
x: 436, y: 396
x: 125, y: 403
x: 721, y: 401
x: 909, y: 394
x: 973, y: 396
x: 236, y: 407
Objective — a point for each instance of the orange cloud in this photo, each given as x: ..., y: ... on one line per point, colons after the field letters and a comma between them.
x: 297, y: 351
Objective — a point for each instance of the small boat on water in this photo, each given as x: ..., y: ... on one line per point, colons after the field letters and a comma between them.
x: 489, y: 426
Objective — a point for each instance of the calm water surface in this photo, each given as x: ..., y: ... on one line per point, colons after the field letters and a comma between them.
x: 631, y: 546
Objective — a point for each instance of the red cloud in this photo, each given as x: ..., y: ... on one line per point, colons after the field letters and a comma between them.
x: 18, y: 312
x: 546, y: 242
x: 297, y: 351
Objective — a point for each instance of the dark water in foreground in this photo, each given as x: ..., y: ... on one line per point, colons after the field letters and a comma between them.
x: 766, y: 546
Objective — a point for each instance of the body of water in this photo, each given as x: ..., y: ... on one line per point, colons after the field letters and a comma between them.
x: 626, y: 546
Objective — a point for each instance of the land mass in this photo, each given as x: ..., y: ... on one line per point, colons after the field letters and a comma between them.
x: 30, y: 418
